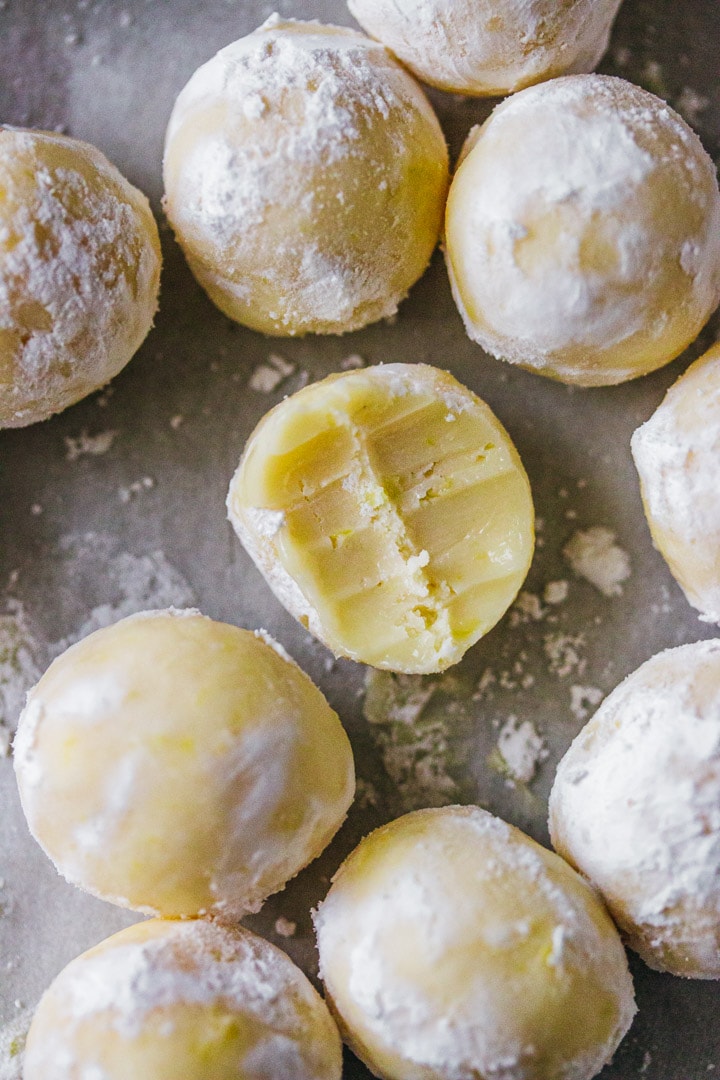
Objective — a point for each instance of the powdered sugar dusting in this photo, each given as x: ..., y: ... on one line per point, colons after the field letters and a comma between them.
x: 50, y: 302
x: 19, y: 667
x: 122, y: 584
x: 125, y: 583
x: 77, y: 446
x: 635, y: 805
x: 575, y: 162
x: 301, y: 100
x: 198, y: 963
x: 12, y: 1045
x: 595, y: 555
x: 520, y: 749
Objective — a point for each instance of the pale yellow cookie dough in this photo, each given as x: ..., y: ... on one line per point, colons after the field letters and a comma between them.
x: 490, y: 47
x: 583, y: 231
x: 166, y: 1000
x: 452, y: 945
x: 677, y: 455
x: 79, y: 273
x: 181, y: 766
x: 636, y: 808
x: 305, y: 178
x: 389, y: 512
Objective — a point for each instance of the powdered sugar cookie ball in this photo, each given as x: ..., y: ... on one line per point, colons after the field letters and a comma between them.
x: 677, y: 454
x: 305, y: 178
x: 636, y: 807
x: 583, y: 231
x: 79, y: 273
x: 452, y: 945
x: 180, y: 766
x: 486, y: 47
x: 167, y: 1000
x: 389, y: 512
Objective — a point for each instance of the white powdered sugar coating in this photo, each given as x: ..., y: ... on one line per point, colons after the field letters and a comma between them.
x: 393, y: 929
x: 636, y: 807
x: 19, y: 666
x: 677, y: 455
x: 521, y: 748
x: 557, y: 256
x: 79, y: 272
x: 283, y: 1027
x: 593, y: 554
x: 483, y: 47
x: 308, y: 110
x: 241, y: 770
x: 12, y: 1045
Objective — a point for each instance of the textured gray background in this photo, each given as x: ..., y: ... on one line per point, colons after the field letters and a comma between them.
x: 108, y: 72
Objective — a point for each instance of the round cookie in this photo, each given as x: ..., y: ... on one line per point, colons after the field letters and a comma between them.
x: 389, y: 512
x: 636, y: 808
x: 166, y: 1000
x: 305, y: 178
x: 79, y: 273
x: 487, y: 47
x: 677, y: 455
x: 583, y: 231
x: 452, y: 945
x: 181, y: 766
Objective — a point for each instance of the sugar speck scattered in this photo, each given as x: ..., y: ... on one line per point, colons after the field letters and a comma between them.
x: 583, y: 699
x: 351, y: 362
x: 520, y: 749
x: 268, y: 376
x: 594, y: 555
x: 12, y: 1045
x: 556, y: 592
x: 83, y: 444
x: 564, y: 653
x: 125, y: 494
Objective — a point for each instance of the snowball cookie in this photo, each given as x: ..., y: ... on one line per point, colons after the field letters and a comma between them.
x: 583, y: 231
x: 179, y: 766
x: 389, y: 512
x: 305, y: 178
x: 636, y: 808
x: 452, y: 945
x: 677, y: 454
x: 182, y: 1001
x: 79, y: 273
x: 486, y: 46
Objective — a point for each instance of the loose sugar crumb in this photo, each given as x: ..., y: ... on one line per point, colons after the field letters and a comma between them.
x: 594, y: 555
x: 556, y: 592
x: 19, y: 668
x: 83, y: 444
x: 176, y: 421
x: 268, y: 376
x: 520, y: 749
x: 564, y: 655
x: 125, y: 494
x: 365, y: 794
x: 351, y: 362
x: 12, y: 1045
x: 527, y: 608
x: 414, y: 744
x: 691, y: 105
x: 285, y: 927
x: 583, y: 699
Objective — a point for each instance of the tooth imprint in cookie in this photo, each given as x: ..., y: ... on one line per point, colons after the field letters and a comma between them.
x: 390, y: 511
